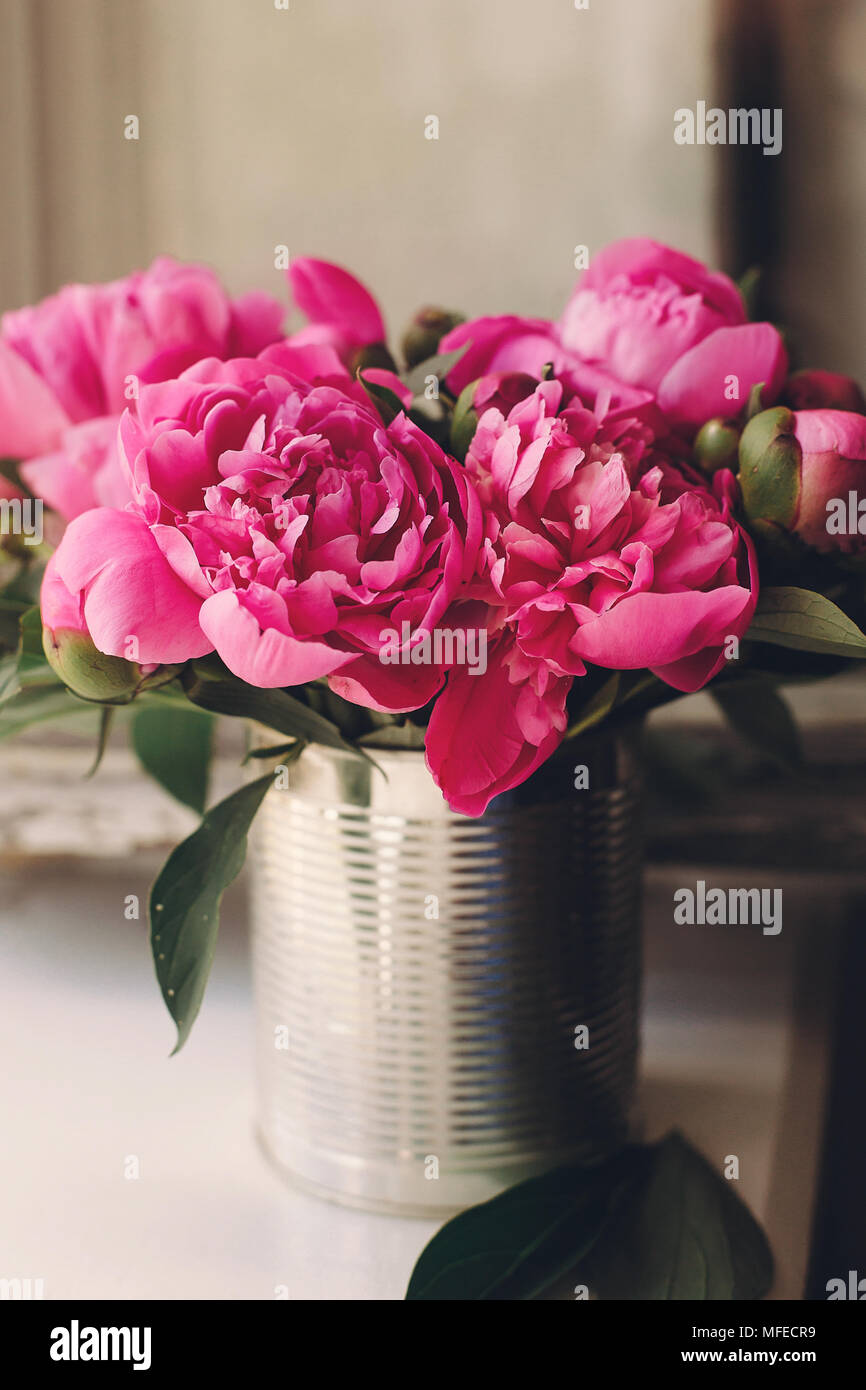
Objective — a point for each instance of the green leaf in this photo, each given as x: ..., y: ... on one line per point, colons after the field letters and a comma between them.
x: 758, y: 713
x: 386, y: 402
x: 276, y: 750
x: 406, y: 735
x: 597, y: 707
x: 464, y: 422
x: 27, y: 666
x: 220, y: 692
x: 806, y: 621
x: 523, y: 1241
x: 649, y: 1223
x: 9, y: 682
x: 438, y: 366
x: 755, y: 403
x: 33, y: 668
x: 173, y: 744
x: 185, y: 901
x: 26, y: 582
x: 10, y: 616
x: 748, y: 285
x: 35, y: 705
x: 683, y: 1233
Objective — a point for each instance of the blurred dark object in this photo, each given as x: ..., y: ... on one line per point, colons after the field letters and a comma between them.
x: 749, y: 56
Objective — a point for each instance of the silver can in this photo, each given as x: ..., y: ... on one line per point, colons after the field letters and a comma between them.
x: 445, y: 1005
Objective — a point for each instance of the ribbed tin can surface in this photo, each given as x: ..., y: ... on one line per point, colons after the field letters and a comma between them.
x: 445, y: 1005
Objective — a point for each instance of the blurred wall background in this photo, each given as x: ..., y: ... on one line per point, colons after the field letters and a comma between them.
x: 305, y: 127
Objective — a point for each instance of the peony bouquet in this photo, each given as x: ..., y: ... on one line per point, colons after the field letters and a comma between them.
x: 514, y: 532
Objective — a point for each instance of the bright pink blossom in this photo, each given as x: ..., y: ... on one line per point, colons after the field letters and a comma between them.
x: 278, y: 521
x: 646, y: 317
x: 606, y: 555
x: 69, y: 366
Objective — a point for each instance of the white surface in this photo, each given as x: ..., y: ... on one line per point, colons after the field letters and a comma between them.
x: 86, y: 1084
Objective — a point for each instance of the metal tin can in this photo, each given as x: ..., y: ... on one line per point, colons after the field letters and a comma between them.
x: 445, y: 1005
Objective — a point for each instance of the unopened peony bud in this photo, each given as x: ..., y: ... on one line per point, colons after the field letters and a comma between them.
x: 421, y: 339
x: 804, y: 473
x: 716, y: 446
x: 814, y: 389
x: 88, y: 672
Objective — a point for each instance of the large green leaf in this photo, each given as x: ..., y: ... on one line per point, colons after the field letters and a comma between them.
x: 759, y: 714
x: 36, y: 705
x: 174, y: 744
x: 220, y: 692
x: 650, y: 1223
x: 807, y: 621
x: 518, y: 1244
x: 682, y: 1233
x: 185, y: 901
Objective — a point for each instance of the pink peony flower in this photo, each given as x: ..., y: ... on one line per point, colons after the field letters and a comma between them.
x: 606, y: 554
x: 84, y: 470
x: 658, y: 319
x: 646, y: 317
x: 276, y: 520
x: 607, y: 398
x: 641, y: 305
x: 72, y: 359
x: 506, y: 344
x: 342, y: 314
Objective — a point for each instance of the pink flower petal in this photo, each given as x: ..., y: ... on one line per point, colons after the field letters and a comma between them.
x: 265, y: 657
x: 129, y: 590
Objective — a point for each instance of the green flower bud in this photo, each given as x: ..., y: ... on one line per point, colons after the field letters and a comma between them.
x: 429, y: 326
x: 716, y: 446
x: 770, y: 469
x: 373, y: 355
x: 92, y: 674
